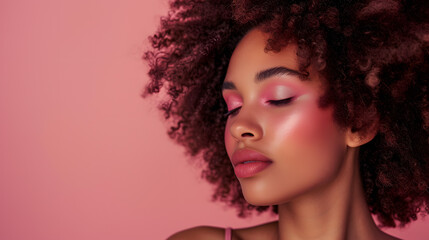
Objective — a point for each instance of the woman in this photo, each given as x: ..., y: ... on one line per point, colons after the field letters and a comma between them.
x: 317, y: 110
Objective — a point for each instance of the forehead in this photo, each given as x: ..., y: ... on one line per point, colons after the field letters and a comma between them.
x: 250, y: 56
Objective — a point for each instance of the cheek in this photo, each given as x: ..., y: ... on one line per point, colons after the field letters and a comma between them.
x: 306, y: 123
x: 315, y: 125
x: 307, y: 141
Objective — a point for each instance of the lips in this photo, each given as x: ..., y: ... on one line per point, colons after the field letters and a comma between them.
x: 247, y: 163
x: 246, y: 155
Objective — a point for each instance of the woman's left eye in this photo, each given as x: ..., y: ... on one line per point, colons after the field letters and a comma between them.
x: 280, y: 102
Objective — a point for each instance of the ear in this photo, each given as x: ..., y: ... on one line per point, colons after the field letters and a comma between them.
x: 357, y: 138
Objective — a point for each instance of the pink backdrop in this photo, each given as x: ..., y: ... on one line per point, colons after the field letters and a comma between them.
x: 82, y: 156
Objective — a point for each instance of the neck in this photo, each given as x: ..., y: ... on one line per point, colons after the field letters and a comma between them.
x: 335, y: 211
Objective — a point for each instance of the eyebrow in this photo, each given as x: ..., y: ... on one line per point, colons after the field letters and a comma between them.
x: 275, y: 71
x: 267, y: 73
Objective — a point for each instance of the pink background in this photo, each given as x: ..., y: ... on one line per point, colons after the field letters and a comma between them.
x: 82, y: 156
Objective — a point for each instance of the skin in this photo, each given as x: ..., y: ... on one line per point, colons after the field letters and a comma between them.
x: 314, y: 176
x: 301, y: 139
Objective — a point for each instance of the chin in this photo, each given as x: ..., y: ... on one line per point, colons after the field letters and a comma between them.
x: 258, y: 192
x: 258, y: 195
x: 259, y: 201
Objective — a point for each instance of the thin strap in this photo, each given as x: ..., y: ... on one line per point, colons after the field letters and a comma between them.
x: 228, y: 233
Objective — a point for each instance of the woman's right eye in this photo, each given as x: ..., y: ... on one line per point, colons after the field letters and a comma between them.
x: 232, y: 112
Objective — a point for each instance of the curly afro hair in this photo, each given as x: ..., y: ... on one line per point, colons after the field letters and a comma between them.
x: 374, y: 55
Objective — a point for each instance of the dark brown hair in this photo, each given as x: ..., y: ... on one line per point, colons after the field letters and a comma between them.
x: 374, y: 55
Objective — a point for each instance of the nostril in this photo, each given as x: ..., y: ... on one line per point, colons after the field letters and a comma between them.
x: 247, y: 134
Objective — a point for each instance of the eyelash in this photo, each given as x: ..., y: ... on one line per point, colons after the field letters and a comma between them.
x: 232, y: 112
x: 280, y: 102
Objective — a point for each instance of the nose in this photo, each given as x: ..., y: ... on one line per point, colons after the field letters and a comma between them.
x: 245, y: 127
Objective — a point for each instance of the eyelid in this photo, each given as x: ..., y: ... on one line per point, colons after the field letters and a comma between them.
x: 232, y: 101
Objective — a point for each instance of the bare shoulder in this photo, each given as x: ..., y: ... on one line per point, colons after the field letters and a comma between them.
x: 264, y: 231
x: 200, y: 232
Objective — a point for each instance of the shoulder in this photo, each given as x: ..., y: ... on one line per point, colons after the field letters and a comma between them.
x: 200, y: 232
x: 263, y: 231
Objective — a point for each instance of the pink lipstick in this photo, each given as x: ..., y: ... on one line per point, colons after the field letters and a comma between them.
x: 248, y: 163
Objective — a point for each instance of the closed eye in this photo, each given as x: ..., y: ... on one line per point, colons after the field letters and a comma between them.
x: 232, y: 112
x: 280, y: 102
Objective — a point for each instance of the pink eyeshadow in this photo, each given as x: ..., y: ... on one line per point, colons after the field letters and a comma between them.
x: 281, y: 89
x: 232, y: 101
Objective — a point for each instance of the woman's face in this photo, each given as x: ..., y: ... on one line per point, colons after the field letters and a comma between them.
x: 281, y: 143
